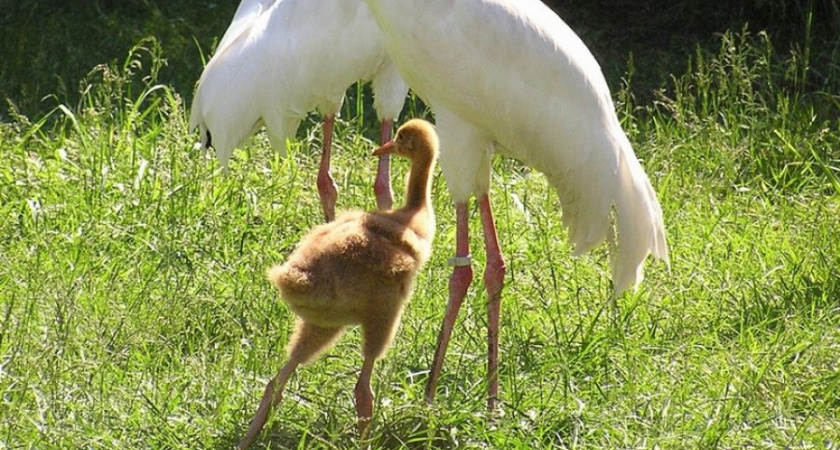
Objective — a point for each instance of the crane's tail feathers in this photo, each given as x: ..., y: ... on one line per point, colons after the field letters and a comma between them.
x: 641, y: 230
x: 589, y: 196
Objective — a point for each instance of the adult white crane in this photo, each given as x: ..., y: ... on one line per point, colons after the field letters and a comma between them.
x: 511, y: 76
x: 281, y: 59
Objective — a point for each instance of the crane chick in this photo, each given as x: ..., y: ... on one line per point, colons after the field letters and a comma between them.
x: 358, y: 270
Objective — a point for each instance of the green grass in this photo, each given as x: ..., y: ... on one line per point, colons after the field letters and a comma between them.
x: 134, y: 311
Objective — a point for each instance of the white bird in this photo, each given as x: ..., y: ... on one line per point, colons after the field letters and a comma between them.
x: 246, y: 13
x: 511, y: 76
x: 281, y: 59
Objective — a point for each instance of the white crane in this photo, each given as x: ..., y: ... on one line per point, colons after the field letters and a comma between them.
x: 281, y: 59
x: 510, y: 76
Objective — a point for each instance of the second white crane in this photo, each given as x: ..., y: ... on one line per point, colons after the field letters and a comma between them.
x: 511, y: 76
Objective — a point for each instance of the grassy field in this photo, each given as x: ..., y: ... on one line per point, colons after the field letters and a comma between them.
x: 134, y: 312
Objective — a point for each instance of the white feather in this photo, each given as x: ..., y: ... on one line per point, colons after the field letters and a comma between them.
x: 246, y: 13
x: 280, y: 60
x: 512, y: 73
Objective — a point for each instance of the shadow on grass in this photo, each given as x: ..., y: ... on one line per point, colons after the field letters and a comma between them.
x: 413, y: 428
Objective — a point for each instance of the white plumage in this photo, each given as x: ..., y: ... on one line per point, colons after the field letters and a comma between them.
x: 246, y: 13
x: 511, y: 76
x: 281, y: 59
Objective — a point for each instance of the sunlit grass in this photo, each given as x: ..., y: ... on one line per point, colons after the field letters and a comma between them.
x: 134, y: 311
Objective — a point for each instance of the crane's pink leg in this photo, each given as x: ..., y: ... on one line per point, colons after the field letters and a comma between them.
x: 382, y: 185
x: 459, y: 282
x: 271, y: 397
x: 326, y: 185
x: 364, y: 396
x: 494, y: 278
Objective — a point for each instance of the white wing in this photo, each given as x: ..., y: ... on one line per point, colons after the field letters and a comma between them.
x: 245, y: 15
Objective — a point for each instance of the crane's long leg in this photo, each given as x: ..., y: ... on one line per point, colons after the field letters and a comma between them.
x: 364, y: 396
x: 326, y: 185
x: 494, y: 278
x: 271, y: 397
x: 459, y: 282
x: 382, y: 185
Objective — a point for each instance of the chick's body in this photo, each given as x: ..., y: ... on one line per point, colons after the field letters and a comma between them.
x: 327, y: 280
x: 357, y: 270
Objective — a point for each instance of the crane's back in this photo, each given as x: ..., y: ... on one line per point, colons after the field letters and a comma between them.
x: 512, y: 67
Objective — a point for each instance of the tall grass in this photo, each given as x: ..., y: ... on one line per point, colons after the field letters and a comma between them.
x: 762, y: 123
x: 134, y: 313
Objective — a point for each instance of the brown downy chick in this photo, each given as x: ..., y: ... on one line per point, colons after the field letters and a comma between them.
x: 357, y: 270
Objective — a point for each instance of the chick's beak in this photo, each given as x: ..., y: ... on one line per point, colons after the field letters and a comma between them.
x: 386, y: 148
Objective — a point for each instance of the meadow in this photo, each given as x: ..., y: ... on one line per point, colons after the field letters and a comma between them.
x: 134, y: 311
